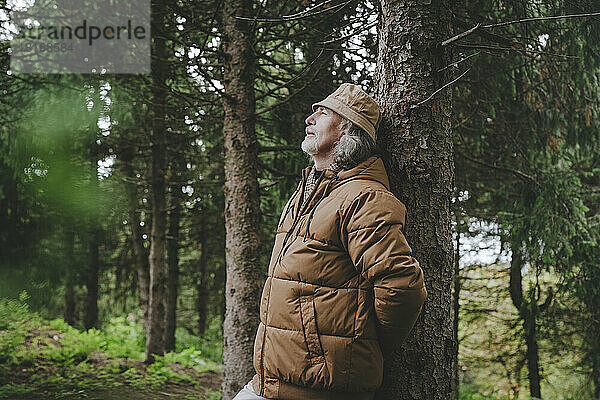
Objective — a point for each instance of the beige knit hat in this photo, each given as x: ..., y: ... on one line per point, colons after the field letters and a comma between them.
x: 352, y: 103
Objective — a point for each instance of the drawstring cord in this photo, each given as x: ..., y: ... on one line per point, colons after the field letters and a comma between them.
x: 312, y: 212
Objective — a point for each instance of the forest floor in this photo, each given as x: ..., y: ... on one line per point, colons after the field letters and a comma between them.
x: 41, y: 359
x: 102, y: 378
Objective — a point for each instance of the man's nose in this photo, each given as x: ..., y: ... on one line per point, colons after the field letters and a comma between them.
x: 310, y: 119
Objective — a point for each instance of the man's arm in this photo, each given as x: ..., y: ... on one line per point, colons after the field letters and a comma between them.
x: 373, y: 234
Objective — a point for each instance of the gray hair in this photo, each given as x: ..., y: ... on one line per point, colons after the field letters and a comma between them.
x: 354, y: 147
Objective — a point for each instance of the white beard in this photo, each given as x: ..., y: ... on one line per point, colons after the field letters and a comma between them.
x: 310, y: 144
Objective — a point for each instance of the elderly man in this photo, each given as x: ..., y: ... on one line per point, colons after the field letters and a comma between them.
x: 343, y: 290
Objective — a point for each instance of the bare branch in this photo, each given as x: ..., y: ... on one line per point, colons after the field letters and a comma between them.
x: 521, y: 50
x: 518, y: 21
x: 514, y: 171
x: 269, y: 184
x: 348, y: 36
x: 460, y: 35
x: 301, y: 15
x: 521, y: 21
x: 439, y: 90
x: 459, y: 61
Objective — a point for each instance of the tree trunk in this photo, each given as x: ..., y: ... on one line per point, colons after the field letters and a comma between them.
x: 242, y: 210
x: 418, y: 142
x: 90, y: 319
x: 456, y: 307
x: 173, y: 263
x: 155, y: 343
x: 596, y: 373
x: 140, y: 254
x: 69, y: 315
x: 529, y: 323
x: 202, y: 278
x: 528, y: 313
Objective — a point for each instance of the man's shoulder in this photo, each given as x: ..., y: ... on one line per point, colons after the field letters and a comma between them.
x: 366, y: 194
x: 363, y: 187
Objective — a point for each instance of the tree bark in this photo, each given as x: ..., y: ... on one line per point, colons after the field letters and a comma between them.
x: 417, y: 141
x: 242, y: 210
x: 173, y: 265
x: 155, y: 343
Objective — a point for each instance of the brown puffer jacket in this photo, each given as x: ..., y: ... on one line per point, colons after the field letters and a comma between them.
x: 342, y: 288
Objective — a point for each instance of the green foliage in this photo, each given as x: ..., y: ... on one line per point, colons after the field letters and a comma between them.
x: 468, y: 392
x: 210, y: 345
x: 125, y: 338
x: 55, y: 358
x: 207, y: 395
x: 14, y: 321
x: 191, y: 358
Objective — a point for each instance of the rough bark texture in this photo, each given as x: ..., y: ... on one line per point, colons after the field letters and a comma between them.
x: 418, y: 143
x: 173, y: 266
x: 242, y: 211
x: 155, y: 343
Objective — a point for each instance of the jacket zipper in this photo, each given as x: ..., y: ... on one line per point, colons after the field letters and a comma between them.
x: 288, y: 234
x: 297, y: 218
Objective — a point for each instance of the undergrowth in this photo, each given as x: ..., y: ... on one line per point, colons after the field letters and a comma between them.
x: 54, y: 360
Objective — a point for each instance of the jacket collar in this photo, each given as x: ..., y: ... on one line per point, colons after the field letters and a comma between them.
x: 372, y: 169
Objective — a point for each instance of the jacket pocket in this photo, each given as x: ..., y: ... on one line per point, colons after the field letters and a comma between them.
x: 311, y: 332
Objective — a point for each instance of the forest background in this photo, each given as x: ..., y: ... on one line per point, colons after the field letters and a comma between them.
x: 132, y: 205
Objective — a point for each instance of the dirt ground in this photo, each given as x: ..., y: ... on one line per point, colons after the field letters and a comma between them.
x: 209, y: 383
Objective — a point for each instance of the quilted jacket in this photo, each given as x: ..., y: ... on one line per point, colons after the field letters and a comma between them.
x: 342, y: 289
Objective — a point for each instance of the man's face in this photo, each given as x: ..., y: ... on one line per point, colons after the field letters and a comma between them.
x: 322, y: 132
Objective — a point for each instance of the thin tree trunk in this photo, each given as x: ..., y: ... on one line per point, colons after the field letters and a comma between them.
x: 456, y: 306
x: 532, y: 350
x: 420, y: 163
x: 69, y: 315
x: 596, y: 372
x: 140, y: 253
x: 242, y: 211
x: 155, y: 343
x: 173, y: 265
x: 202, y: 278
x: 90, y: 319
x: 528, y: 313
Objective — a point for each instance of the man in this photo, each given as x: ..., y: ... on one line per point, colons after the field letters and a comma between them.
x: 343, y: 290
